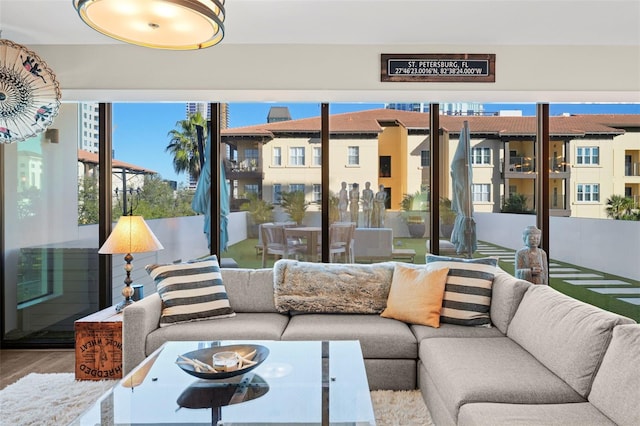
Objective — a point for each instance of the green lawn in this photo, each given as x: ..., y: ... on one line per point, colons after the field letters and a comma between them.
x: 246, y: 256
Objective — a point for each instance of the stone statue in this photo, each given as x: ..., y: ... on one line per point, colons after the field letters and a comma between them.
x: 343, y: 202
x: 531, y: 261
x: 354, y: 203
x: 367, y: 204
x: 379, y: 208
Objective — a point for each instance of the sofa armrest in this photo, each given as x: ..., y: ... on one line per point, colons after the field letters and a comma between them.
x: 139, y: 319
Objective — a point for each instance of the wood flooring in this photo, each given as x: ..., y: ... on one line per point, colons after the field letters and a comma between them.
x: 17, y: 363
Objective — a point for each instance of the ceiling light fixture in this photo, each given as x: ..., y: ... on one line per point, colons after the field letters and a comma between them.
x: 159, y: 24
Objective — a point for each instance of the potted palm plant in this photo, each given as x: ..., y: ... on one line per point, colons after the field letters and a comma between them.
x: 260, y: 211
x: 447, y: 217
x: 295, y: 205
x: 415, y: 208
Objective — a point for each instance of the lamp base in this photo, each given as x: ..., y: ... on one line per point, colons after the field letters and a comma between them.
x: 120, y: 306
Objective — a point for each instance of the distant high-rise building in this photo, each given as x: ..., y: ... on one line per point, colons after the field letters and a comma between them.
x: 457, y: 108
x: 204, y: 108
x: 89, y: 127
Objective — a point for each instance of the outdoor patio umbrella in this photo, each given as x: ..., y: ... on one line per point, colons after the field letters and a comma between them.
x: 201, y: 202
x: 463, y: 236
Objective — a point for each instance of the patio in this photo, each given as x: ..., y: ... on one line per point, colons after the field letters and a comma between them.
x: 610, y: 292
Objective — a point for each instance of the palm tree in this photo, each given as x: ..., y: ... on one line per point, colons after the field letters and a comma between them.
x: 184, y: 145
x: 618, y: 207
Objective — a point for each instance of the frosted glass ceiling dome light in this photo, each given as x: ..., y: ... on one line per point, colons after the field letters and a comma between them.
x: 159, y: 24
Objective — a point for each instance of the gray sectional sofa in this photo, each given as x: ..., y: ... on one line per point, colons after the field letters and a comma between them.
x: 546, y: 359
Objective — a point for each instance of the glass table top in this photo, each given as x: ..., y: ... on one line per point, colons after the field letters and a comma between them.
x: 300, y: 383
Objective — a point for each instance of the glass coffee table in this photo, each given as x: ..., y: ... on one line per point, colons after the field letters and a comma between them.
x: 299, y: 383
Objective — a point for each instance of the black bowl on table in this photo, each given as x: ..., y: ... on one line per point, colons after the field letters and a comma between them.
x: 206, y: 356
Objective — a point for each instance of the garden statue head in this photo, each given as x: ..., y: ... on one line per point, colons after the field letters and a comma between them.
x: 531, y: 236
x: 367, y: 185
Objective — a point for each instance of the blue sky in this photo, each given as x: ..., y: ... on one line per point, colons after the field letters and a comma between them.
x: 140, y: 130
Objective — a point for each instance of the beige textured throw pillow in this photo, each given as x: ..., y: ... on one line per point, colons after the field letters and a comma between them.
x: 416, y: 295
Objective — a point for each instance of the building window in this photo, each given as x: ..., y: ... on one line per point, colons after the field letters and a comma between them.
x: 588, y: 192
x: 425, y: 158
x: 354, y: 156
x: 277, y: 156
x: 296, y: 187
x: 480, y: 155
x: 317, y: 156
x: 317, y: 193
x: 481, y: 192
x: 385, y: 166
x: 251, y: 188
x: 588, y: 155
x: 296, y: 156
x: 277, y: 193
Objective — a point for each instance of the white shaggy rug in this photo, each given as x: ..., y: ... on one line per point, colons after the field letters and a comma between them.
x: 57, y: 399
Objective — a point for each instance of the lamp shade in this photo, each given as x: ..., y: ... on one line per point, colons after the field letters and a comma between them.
x: 131, y: 235
x: 160, y: 24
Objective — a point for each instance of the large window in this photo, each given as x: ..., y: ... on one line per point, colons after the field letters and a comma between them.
x: 588, y: 155
x: 296, y: 156
x: 317, y: 156
x: 588, y: 192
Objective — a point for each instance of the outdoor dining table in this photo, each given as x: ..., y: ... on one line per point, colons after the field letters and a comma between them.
x: 311, y: 234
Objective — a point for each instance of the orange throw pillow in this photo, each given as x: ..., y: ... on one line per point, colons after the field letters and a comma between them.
x: 416, y: 295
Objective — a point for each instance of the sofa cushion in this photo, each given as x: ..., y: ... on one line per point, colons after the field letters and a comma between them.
x: 616, y: 387
x: 243, y: 326
x: 191, y: 291
x: 506, y: 293
x: 331, y: 288
x: 491, y: 414
x: 379, y: 337
x: 250, y: 290
x: 451, y: 330
x: 467, y: 294
x: 490, y: 369
x: 416, y: 295
x: 568, y: 336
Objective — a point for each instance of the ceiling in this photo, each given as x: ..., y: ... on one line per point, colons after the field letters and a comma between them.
x: 352, y: 22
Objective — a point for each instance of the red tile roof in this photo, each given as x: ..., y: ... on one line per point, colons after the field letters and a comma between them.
x: 369, y: 121
x: 92, y: 158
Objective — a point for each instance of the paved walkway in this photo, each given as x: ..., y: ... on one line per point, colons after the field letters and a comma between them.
x: 619, y: 289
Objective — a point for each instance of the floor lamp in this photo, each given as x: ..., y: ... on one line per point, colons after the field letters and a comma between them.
x: 130, y: 235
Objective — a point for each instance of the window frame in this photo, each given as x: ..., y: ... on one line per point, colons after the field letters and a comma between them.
x: 478, y: 196
x: 297, y: 155
x: 589, y: 153
x: 588, y: 193
x: 483, y: 154
x: 276, y: 159
x: 353, y: 156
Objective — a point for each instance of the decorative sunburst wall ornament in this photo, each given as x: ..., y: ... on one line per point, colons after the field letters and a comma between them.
x: 29, y: 93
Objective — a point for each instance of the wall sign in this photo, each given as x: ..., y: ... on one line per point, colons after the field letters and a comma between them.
x: 454, y: 67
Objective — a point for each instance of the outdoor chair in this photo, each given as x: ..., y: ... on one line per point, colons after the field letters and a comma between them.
x: 275, y: 243
x: 341, y: 241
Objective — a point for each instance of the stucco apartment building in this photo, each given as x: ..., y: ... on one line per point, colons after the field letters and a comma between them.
x: 592, y: 157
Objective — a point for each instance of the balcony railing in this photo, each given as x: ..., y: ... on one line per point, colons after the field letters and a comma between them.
x: 520, y: 165
x: 632, y: 169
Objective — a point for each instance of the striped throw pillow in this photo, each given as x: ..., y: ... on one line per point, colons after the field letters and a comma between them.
x: 191, y: 291
x: 467, y: 293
